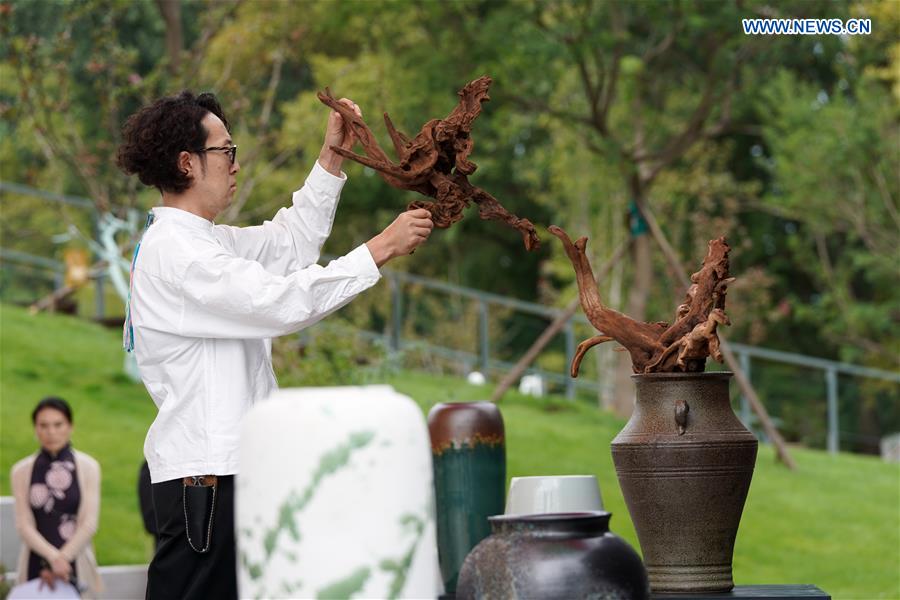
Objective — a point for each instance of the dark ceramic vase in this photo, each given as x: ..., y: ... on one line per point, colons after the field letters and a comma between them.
x: 684, y: 463
x: 469, y: 456
x: 562, y: 555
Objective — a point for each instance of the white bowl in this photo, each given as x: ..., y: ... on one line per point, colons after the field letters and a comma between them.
x: 553, y: 494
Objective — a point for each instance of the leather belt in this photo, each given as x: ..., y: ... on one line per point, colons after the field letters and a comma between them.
x: 201, y: 481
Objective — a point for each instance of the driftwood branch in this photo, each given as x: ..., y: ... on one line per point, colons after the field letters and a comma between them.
x: 658, y: 347
x: 435, y: 163
x: 554, y: 328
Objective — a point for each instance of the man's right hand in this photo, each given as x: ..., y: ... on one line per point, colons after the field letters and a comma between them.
x: 405, y: 234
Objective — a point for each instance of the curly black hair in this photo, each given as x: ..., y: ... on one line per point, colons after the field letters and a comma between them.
x: 153, y: 137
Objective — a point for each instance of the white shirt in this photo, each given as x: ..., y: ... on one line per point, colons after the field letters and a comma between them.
x: 206, y: 301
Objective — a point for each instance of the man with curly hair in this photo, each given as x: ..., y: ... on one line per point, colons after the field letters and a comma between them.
x: 205, y: 301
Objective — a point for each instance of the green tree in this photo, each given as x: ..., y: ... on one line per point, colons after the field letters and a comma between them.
x: 654, y: 90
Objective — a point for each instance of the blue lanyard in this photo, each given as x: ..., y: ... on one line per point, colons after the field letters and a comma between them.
x: 128, y: 329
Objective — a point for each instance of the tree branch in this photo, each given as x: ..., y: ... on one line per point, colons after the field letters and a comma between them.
x: 664, y: 44
x: 886, y: 196
x: 35, y: 100
x: 679, y: 144
x: 198, y: 51
x: 274, y: 79
x: 247, y: 188
x: 555, y: 327
x: 609, y: 92
x: 591, y: 90
x: 537, y: 106
x: 170, y: 11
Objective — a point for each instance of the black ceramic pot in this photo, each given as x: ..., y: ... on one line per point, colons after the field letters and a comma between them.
x: 684, y: 463
x: 562, y: 555
x: 469, y: 457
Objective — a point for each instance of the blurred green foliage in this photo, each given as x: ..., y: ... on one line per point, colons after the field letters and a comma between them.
x: 331, y: 353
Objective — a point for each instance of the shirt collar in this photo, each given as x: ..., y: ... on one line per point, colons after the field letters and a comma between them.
x: 181, y: 216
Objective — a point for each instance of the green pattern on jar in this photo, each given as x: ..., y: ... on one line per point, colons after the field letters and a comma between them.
x: 346, y: 586
x: 330, y: 463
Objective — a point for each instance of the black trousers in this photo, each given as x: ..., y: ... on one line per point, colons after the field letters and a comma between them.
x: 177, y: 572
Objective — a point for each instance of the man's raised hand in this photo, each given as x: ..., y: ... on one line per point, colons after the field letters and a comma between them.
x: 337, y: 133
x: 402, y: 237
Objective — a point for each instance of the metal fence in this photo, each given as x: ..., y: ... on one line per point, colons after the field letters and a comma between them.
x: 752, y: 358
x: 485, y: 360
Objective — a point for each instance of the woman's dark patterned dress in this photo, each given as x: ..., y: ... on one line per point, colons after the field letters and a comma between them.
x: 54, y: 497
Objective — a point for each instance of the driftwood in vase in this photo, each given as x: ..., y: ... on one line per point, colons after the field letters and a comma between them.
x: 435, y: 162
x: 658, y: 347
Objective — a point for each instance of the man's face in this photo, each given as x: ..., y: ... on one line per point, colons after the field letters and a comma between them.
x: 217, y: 182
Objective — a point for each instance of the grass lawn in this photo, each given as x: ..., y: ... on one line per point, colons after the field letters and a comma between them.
x: 835, y: 522
x: 49, y: 355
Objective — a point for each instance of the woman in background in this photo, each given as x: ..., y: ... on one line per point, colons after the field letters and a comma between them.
x: 57, y: 498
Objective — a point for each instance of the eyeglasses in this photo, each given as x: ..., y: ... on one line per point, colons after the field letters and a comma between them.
x: 231, y: 151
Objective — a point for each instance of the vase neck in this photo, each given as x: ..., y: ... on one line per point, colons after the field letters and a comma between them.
x: 553, y: 525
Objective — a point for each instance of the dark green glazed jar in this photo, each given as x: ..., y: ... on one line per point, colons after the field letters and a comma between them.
x: 468, y: 450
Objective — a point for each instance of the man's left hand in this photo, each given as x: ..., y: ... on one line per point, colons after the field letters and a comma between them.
x: 337, y: 133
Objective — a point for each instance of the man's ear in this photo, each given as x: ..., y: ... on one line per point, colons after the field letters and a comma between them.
x: 184, y: 163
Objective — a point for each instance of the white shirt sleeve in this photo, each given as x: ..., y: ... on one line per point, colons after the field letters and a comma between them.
x: 293, y: 239
x: 232, y: 297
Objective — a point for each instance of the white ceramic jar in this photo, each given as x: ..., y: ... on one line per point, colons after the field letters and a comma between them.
x: 335, y: 497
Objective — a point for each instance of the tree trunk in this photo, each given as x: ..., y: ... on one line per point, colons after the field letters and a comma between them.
x: 170, y: 10
x: 611, y: 358
x: 623, y: 402
x: 643, y: 279
x: 869, y: 427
